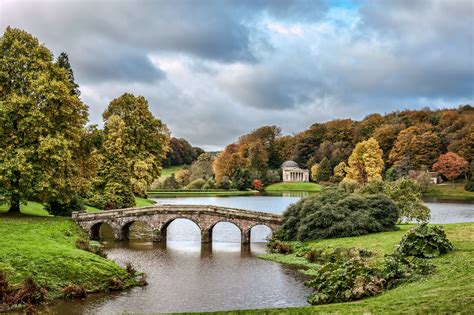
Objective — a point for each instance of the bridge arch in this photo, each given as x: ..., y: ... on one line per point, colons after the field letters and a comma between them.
x: 212, y: 231
x: 129, y: 226
x: 256, y: 230
x: 163, y: 231
x: 95, y: 230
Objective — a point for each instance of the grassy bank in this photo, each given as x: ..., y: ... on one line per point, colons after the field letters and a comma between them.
x: 44, y: 248
x: 36, y: 209
x: 450, y: 289
x: 449, y: 192
x: 171, y: 170
x: 171, y: 194
x: 294, y: 187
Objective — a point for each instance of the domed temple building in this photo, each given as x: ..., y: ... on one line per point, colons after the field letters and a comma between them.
x: 293, y: 173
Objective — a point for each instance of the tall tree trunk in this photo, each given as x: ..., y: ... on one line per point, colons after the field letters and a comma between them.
x: 14, y: 204
x: 15, y: 197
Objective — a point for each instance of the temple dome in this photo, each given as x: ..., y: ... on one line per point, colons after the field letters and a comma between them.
x: 289, y: 164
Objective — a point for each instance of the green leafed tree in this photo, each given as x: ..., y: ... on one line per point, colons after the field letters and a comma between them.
x: 324, y: 171
x: 41, y: 123
x: 112, y: 188
x: 145, y: 139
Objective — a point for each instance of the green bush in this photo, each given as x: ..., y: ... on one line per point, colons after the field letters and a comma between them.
x: 241, y: 179
x: 63, y: 209
x: 279, y: 247
x: 196, y: 184
x: 425, y: 241
x: 469, y: 185
x: 335, y: 213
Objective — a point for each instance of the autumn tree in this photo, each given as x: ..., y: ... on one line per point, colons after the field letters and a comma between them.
x: 314, y: 171
x: 340, y: 171
x: 386, y: 135
x: 451, y: 166
x: 202, y: 167
x: 112, y: 189
x: 366, y: 163
x: 41, y: 123
x: 415, y: 147
x: 145, y: 139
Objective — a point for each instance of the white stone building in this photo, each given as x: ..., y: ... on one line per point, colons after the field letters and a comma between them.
x: 293, y: 173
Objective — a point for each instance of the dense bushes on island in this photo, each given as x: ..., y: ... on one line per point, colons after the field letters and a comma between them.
x: 335, y: 213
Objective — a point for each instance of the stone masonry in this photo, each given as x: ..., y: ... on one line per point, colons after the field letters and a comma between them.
x: 159, y: 217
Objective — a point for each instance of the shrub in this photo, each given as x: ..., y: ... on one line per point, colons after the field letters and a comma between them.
x: 469, y: 185
x: 130, y: 269
x: 272, y: 176
x: 225, y: 183
x: 64, y: 209
x: 257, y: 184
x: 28, y: 293
x: 424, y: 241
x: 337, y: 214
x: 406, y: 194
x: 324, y: 171
x: 74, y: 291
x: 115, y: 284
x: 349, y: 185
x: 241, y: 179
x: 321, y: 256
x: 279, y: 247
x: 196, y: 184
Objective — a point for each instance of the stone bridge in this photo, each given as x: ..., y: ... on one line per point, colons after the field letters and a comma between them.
x: 160, y: 217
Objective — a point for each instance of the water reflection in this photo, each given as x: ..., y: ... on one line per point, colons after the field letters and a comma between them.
x: 186, y: 276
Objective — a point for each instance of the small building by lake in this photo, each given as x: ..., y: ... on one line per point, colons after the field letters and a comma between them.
x: 293, y: 173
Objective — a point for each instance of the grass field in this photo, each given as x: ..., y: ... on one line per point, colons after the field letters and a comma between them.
x: 156, y: 194
x: 36, y: 209
x: 294, y: 187
x: 449, y: 290
x: 447, y: 191
x: 171, y: 170
x: 44, y: 248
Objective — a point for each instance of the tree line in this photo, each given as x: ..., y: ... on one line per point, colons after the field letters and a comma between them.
x: 386, y: 146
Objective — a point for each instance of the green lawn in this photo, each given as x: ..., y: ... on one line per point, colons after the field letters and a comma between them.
x: 294, y: 187
x: 449, y: 290
x: 36, y: 209
x: 157, y: 194
x: 447, y: 191
x: 171, y: 170
x: 44, y: 248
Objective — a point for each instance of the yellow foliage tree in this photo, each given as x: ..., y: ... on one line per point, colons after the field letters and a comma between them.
x: 314, y: 171
x: 366, y: 162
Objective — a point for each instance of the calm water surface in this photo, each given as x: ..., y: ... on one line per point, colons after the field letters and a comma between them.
x: 185, y: 276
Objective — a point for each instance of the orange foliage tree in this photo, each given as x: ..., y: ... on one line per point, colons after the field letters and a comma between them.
x: 451, y: 165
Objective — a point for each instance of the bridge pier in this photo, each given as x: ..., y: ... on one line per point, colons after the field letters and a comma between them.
x: 206, y: 236
x: 245, y: 237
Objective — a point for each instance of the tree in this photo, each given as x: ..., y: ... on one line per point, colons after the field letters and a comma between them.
x: 202, y: 167
x: 227, y: 162
x: 340, y: 171
x: 41, y: 123
x: 407, y: 196
x: 63, y: 62
x: 415, y: 147
x: 145, y: 139
x: 112, y: 188
x: 324, y: 171
x: 314, y: 172
x: 257, y: 184
x: 451, y: 166
x: 366, y: 163
x: 241, y: 179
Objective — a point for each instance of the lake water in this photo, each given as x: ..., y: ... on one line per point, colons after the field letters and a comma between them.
x: 184, y: 276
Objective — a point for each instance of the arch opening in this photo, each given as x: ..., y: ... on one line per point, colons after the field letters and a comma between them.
x: 102, y: 231
x: 137, y: 231
x: 225, y: 232
x: 181, y: 230
x: 260, y: 233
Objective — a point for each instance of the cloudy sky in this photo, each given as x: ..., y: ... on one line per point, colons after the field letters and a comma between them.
x: 214, y: 70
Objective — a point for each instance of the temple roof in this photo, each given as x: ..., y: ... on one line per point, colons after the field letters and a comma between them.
x: 289, y: 164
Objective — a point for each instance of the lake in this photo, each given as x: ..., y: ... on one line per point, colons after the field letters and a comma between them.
x: 184, y: 276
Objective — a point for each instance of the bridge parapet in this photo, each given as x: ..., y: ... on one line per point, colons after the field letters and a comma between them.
x: 158, y: 217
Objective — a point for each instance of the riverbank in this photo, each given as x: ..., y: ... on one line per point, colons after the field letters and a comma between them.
x: 448, y: 191
x: 197, y: 193
x: 44, y: 249
x: 281, y: 187
x: 450, y: 289
x: 37, y: 209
